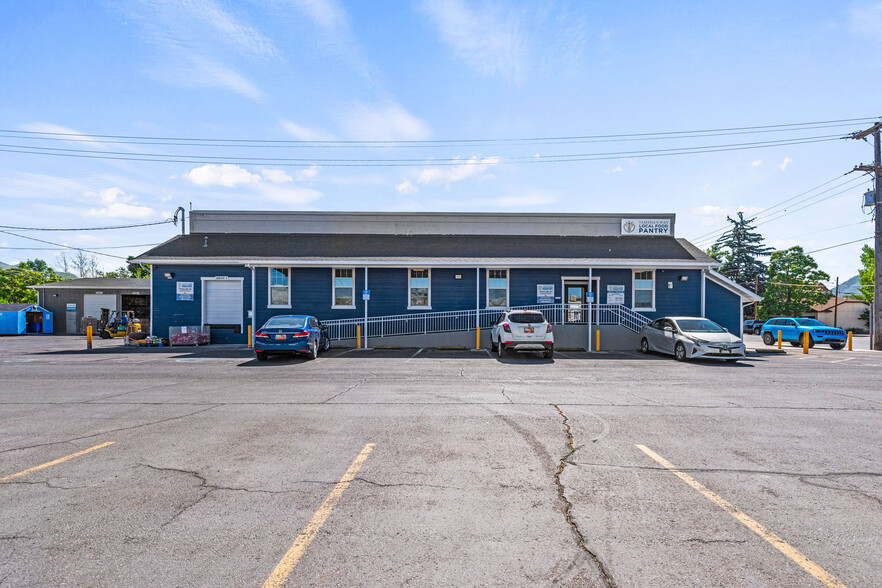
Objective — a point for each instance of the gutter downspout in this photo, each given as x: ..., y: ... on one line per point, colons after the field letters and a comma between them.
x: 703, y: 293
x: 590, y: 287
x: 152, y: 302
x: 253, y: 301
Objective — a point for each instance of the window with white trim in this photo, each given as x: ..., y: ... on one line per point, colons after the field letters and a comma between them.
x: 497, y: 287
x: 344, y: 288
x: 418, y: 286
x: 279, y: 287
x: 644, y: 289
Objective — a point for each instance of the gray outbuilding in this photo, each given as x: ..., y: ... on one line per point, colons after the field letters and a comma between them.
x: 72, y: 300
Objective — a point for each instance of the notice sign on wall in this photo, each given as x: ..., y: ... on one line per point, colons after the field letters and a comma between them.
x: 185, y: 291
x: 544, y: 293
x: 615, y: 294
x: 646, y: 226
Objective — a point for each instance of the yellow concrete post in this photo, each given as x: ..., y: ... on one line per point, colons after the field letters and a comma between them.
x: 250, y: 338
x: 89, y: 337
x: 849, y: 341
x: 805, y: 340
x: 358, y: 336
x: 597, y: 340
x: 779, y: 338
x: 478, y: 339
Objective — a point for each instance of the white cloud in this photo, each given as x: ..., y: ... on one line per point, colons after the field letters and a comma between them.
x: 287, y: 195
x: 114, y: 203
x: 487, y: 39
x: 196, y: 40
x: 787, y: 161
x: 227, y: 175
x: 276, y: 176
x: 303, y: 134
x: 616, y: 169
x: 406, y: 187
x: 756, y: 163
x: 710, y: 215
x: 474, y: 166
x: 309, y: 173
x: 390, y: 122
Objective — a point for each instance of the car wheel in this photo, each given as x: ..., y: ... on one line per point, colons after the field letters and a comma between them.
x: 836, y: 346
x: 105, y: 335
x: 768, y: 339
x: 811, y: 340
x: 327, y: 344
x: 493, y: 346
x: 757, y: 331
x: 548, y: 354
x: 313, y: 351
x: 261, y: 356
x: 680, y: 352
x: 644, y: 345
x: 501, y: 346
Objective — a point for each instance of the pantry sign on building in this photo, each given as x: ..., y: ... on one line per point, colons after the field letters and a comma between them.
x: 646, y: 226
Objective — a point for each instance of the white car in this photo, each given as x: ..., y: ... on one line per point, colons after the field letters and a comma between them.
x: 522, y: 330
x: 687, y: 337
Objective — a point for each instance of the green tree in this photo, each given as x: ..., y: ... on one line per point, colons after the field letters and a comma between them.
x: 136, y: 270
x: 867, y: 275
x: 793, y: 286
x: 14, y: 281
x: 739, y: 250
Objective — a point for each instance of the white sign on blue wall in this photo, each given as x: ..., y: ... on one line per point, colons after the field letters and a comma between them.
x: 185, y: 291
x: 615, y: 294
x: 544, y: 293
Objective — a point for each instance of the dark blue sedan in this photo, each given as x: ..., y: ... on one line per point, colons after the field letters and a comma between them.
x: 291, y: 334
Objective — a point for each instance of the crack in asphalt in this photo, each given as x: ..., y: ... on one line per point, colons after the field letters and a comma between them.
x: 568, y: 506
x: 174, y: 418
x: 506, y: 396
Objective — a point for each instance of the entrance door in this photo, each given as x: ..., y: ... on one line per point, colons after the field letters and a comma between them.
x: 71, y: 322
x: 575, y: 299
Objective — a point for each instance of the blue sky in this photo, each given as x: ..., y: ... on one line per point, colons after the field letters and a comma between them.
x: 431, y: 70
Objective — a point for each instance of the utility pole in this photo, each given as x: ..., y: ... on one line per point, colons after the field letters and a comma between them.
x: 836, y: 305
x: 755, y: 291
x: 876, y: 314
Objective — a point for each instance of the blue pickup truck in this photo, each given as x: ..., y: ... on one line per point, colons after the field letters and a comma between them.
x: 794, y: 329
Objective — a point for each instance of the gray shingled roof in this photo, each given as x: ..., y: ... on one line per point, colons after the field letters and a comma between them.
x: 13, y: 307
x: 98, y: 284
x: 388, y: 247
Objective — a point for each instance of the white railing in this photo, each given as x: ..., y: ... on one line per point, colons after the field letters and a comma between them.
x: 466, y: 320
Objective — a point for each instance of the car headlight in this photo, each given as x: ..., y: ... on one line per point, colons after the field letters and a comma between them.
x: 695, y: 339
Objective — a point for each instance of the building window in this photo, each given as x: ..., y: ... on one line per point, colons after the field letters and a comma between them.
x: 279, y: 287
x: 418, y: 287
x: 644, y: 290
x: 344, y: 288
x: 497, y: 287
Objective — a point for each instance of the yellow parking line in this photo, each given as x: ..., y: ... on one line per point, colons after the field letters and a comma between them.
x: 778, y: 543
x: 57, y: 461
x: 290, y: 559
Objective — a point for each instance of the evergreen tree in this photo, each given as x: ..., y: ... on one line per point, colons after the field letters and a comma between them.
x: 794, y: 284
x: 739, y: 250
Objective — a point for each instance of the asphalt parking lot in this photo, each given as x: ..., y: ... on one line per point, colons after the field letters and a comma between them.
x: 203, y: 467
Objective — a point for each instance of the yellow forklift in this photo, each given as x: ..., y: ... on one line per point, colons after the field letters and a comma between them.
x: 115, y: 324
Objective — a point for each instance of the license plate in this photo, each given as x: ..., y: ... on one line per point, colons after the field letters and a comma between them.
x: 280, y: 336
x: 528, y: 329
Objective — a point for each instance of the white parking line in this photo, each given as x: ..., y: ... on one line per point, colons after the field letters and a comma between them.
x: 415, y: 354
x: 842, y: 360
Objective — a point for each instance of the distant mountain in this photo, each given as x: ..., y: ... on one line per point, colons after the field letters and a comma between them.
x: 849, y: 287
x: 4, y: 265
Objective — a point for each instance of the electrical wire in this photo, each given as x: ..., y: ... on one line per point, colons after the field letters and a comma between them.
x: 64, y: 248
x: 435, y: 142
x: 87, y: 228
x: 62, y: 245
x: 420, y: 162
x: 841, y: 245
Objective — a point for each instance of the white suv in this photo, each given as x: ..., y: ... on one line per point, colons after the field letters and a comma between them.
x: 522, y: 330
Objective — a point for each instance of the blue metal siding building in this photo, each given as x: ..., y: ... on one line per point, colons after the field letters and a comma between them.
x: 231, y: 267
x: 21, y: 319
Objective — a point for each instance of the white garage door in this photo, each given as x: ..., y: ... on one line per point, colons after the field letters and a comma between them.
x: 93, y: 303
x: 223, y: 302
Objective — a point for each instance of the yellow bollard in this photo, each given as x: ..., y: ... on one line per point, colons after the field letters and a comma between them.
x: 250, y: 338
x: 478, y: 339
x: 805, y: 339
x: 358, y: 336
x: 597, y: 340
x: 779, y: 339
x: 89, y: 337
x: 849, y: 341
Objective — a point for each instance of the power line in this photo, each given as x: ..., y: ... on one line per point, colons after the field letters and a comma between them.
x: 87, y: 228
x: 62, y: 245
x: 830, y: 229
x: 64, y: 248
x: 782, y: 127
x: 420, y: 162
x: 841, y: 244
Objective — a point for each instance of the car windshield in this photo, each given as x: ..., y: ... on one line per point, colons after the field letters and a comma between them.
x: 699, y: 326
x: 286, y: 322
x: 809, y: 323
x: 524, y: 317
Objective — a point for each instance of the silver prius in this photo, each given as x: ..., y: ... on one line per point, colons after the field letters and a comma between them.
x: 687, y: 337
